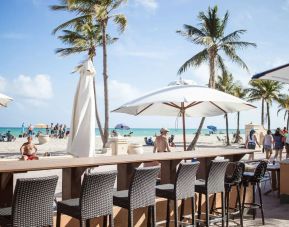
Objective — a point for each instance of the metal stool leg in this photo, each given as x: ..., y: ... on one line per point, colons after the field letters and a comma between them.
x: 176, y: 212
x: 240, y: 205
x: 223, y: 209
x: 154, y: 216
x: 227, y: 207
x: 111, y: 222
x: 104, y: 221
x: 58, y: 219
x: 193, y: 211
x: 168, y: 213
x: 149, y: 219
x: 207, y: 210
x: 130, y: 218
x: 213, y: 203
x: 254, y: 201
x: 87, y: 224
x: 261, y: 203
x: 199, y: 207
x: 244, y: 197
x: 182, y: 210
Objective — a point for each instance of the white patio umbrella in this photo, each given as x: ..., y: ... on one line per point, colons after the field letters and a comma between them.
x: 280, y: 74
x: 185, y: 101
x: 4, y: 100
x: 81, y: 142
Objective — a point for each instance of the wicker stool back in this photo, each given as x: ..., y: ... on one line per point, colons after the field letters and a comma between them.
x: 33, y: 201
x: 142, y: 190
x: 96, y: 197
x: 185, y: 180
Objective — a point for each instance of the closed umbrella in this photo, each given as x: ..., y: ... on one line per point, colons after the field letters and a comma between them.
x: 81, y: 142
x: 280, y: 74
x: 4, y: 100
x: 185, y: 101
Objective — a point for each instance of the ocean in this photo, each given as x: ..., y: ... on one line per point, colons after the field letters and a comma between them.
x: 142, y: 132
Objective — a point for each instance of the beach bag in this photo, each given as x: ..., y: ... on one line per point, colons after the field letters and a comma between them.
x: 251, y: 146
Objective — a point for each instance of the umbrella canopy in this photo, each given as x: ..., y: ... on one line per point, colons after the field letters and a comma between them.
x: 40, y: 125
x: 122, y: 126
x: 185, y: 101
x: 4, y: 100
x: 212, y: 128
x: 280, y: 74
x: 81, y: 142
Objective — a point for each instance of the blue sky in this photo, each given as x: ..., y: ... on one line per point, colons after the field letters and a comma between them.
x: 146, y: 57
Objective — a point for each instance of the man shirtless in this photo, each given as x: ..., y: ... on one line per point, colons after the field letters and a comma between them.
x: 161, y: 143
x: 28, y: 150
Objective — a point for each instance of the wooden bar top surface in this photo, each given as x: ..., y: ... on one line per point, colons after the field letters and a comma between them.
x: 100, y: 160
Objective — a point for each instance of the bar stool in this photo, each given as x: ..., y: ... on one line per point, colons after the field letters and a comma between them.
x: 95, y: 200
x: 214, y: 183
x: 255, y: 180
x: 32, y: 203
x: 141, y: 193
x: 232, y: 180
x: 183, y: 188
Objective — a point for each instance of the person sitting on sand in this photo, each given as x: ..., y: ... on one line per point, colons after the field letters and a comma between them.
x: 161, y: 143
x: 28, y: 150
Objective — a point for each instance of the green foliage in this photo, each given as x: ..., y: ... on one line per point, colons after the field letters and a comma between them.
x: 210, y: 35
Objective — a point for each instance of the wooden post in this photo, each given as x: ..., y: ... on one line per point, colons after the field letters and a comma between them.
x: 6, y: 189
x: 184, y: 125
x: 71, y: 182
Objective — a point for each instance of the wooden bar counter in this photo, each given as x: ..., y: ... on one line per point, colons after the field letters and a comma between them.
x: 73, y: 168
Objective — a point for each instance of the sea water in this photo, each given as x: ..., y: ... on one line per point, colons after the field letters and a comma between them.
x: 141, y: 132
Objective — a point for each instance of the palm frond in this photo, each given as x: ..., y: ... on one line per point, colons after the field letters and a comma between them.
x: 231, y: 53
x: 121, y: 22
x: 71, y: 23
x: 194, y: 61
x: 234, y: 36
x: 70, y: 50
x: 241, y: 44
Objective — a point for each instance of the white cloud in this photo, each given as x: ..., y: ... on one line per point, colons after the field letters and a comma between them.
x: 119, y: 93
x: 148, y: 4
x: 33, y: 88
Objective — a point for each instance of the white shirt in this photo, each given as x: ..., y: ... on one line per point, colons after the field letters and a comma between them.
x: 268, y: 140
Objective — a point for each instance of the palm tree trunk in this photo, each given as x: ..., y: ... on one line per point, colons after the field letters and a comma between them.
x: 268, y: 115
x: 227, y: 130
x: 97, y: 114
x: 262, y: 113
x: 238, y: 128
x: 194, y: 142
x: 212, y: 63
x: 105, y: 84
x: 95, y: 101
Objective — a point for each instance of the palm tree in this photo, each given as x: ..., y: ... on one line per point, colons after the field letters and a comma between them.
x: 239, y: 92
x: 85, y: 37
x: 211, y: 35
x: 101, y: 13
x: 266, y: 90
x: 284, y: 105
x: 226, y: 84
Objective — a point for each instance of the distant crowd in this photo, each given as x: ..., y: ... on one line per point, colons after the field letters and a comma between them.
x: 276, y: 142
x: 54, y: 130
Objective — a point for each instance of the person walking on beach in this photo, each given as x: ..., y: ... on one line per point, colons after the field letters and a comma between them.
x: 278, y: 144
x: 251, y: 142
x: 268, y: 143
x: 28, y: 150
x: 161, y: 143
x: 30, y: 130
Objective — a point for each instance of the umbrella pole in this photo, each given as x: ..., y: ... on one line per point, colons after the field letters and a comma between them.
x: 184, y: 126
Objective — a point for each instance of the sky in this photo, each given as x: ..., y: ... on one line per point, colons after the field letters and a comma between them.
x: 146, y: 57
